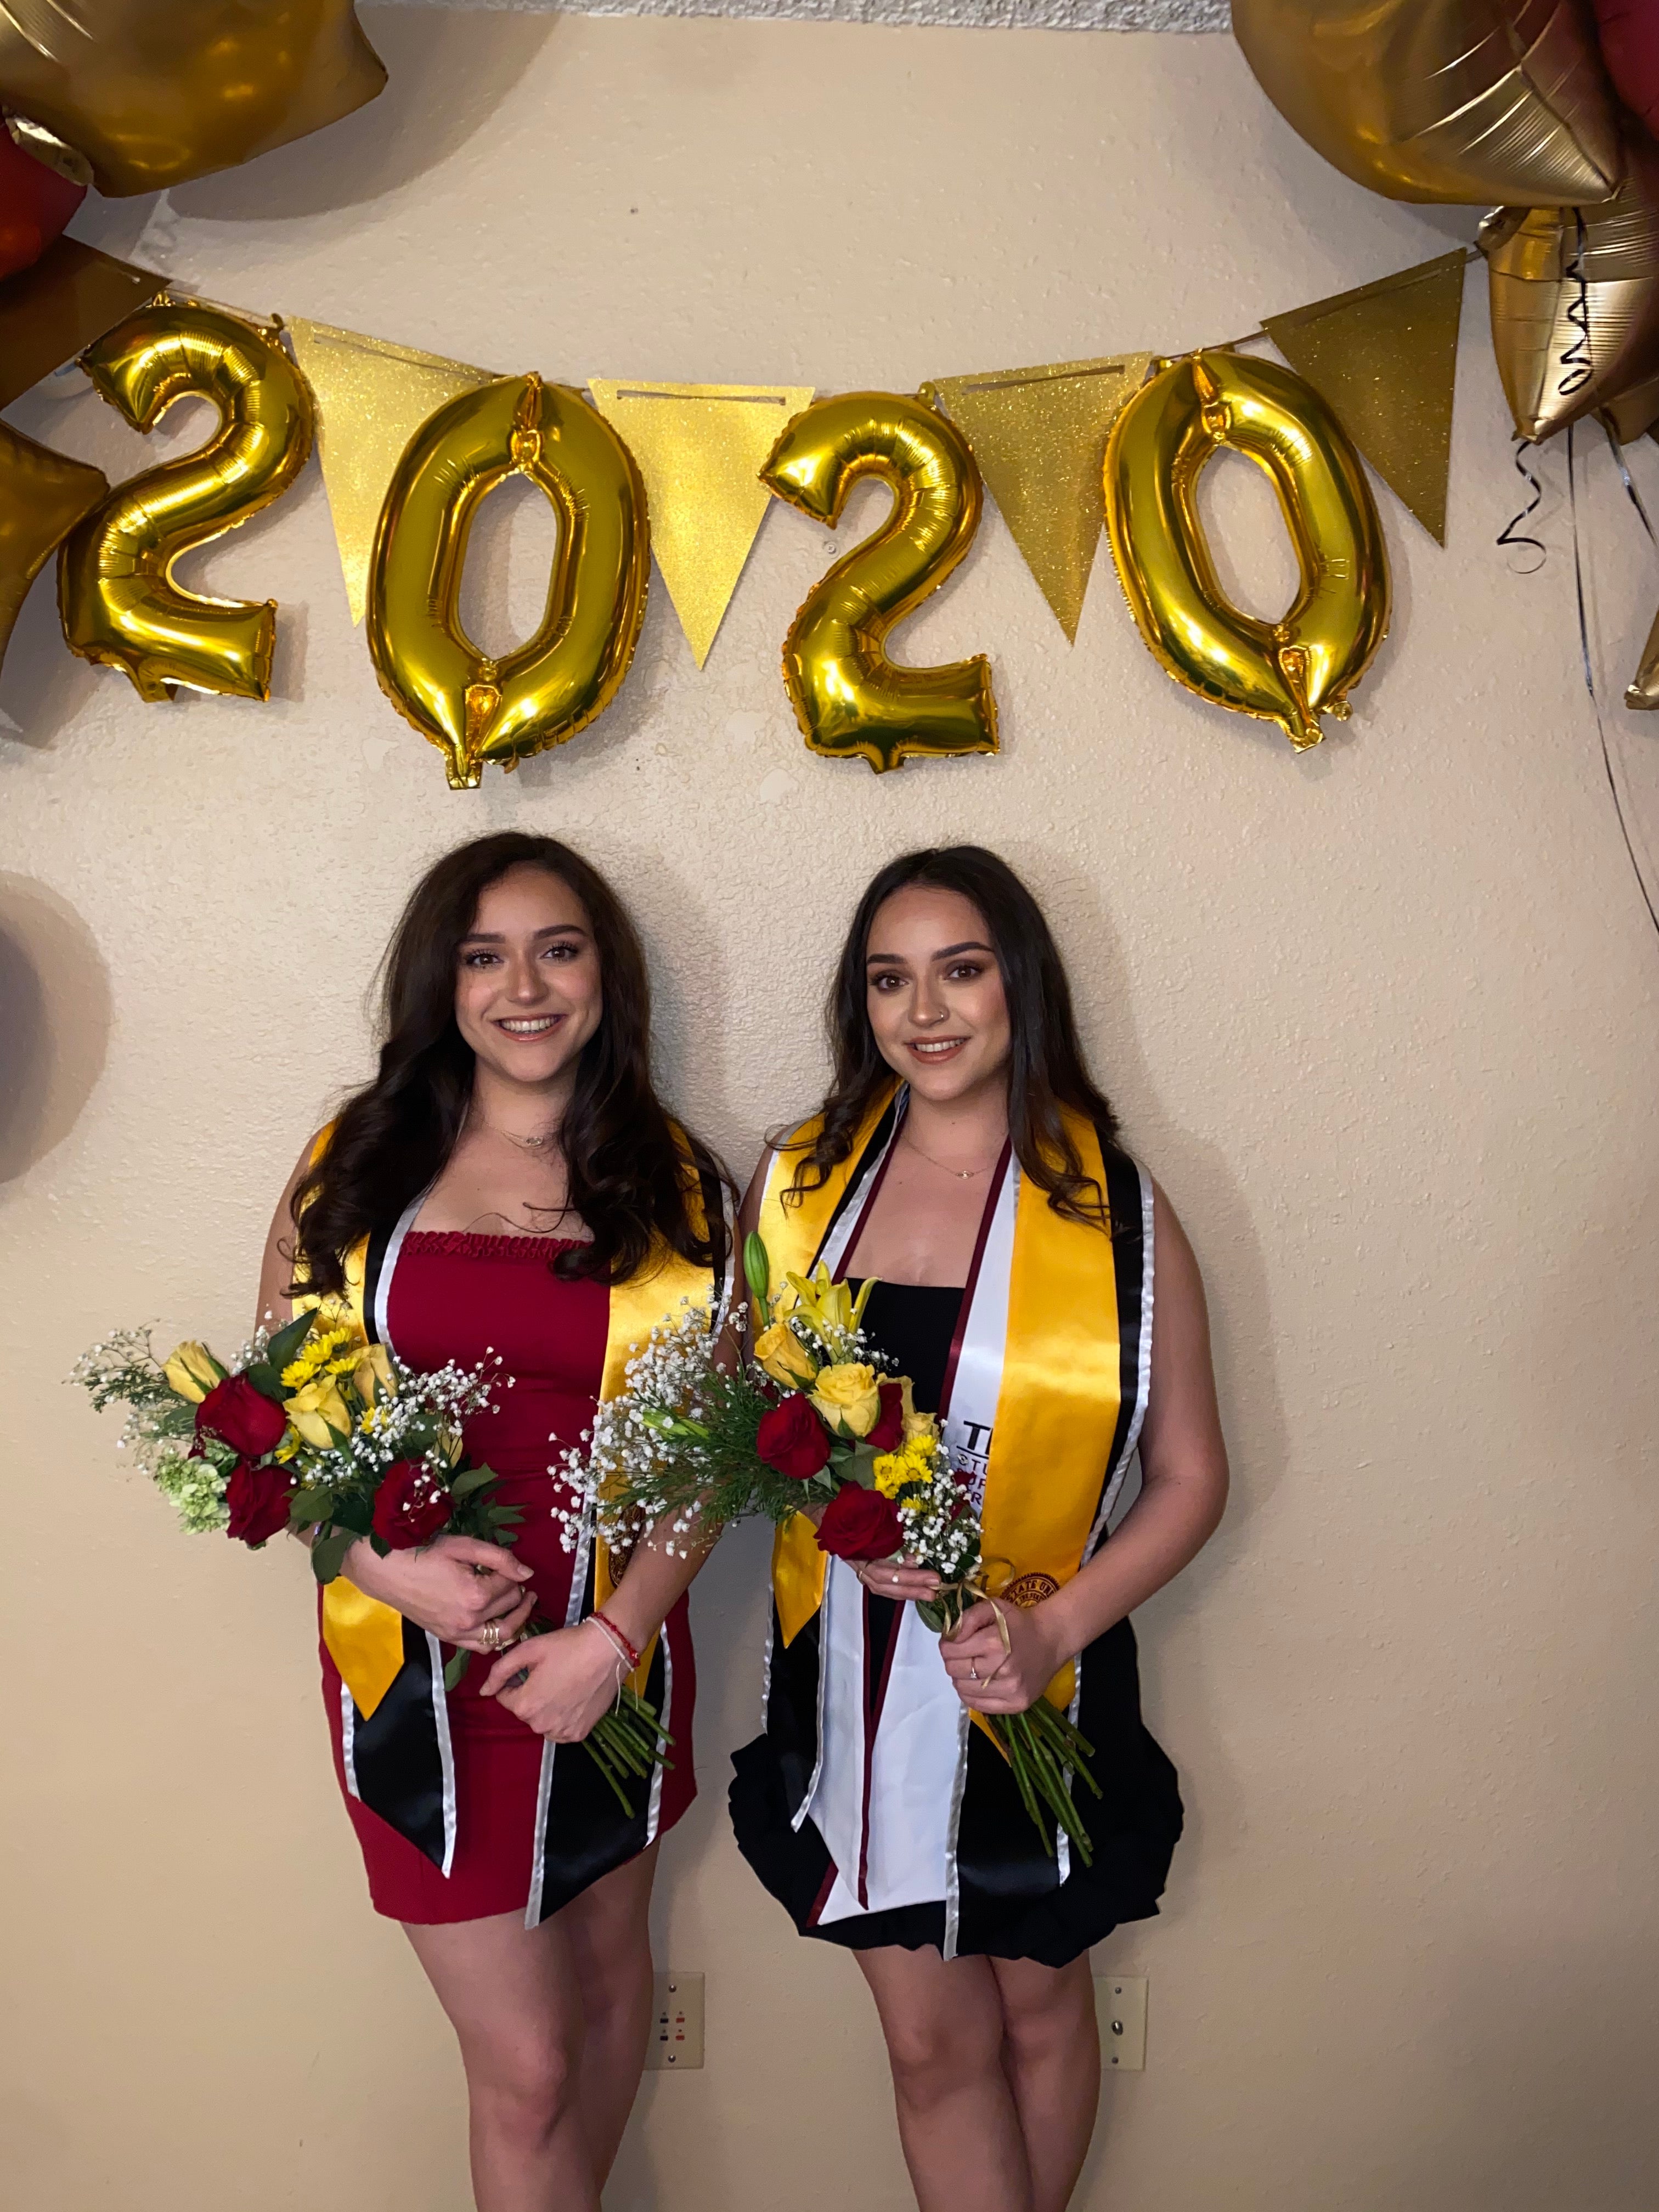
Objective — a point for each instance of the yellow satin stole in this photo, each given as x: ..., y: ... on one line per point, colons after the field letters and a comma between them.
x: 1057, y: 1408
x: 364, y: 1638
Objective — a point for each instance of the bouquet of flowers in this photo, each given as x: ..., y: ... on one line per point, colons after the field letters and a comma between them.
x: 312, y: 1427
x: 808, y: 1424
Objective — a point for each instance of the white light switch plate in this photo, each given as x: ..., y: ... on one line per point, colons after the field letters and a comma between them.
x: 676, y: 2043
x: 1121, y: 2008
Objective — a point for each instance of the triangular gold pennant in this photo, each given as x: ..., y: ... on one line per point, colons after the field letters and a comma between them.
x: 372, y: 398
x: 699, y: 447
x: 1385, y: 360
x: 54, y: 309
x: 43, y: 495
x: 1039, y: 435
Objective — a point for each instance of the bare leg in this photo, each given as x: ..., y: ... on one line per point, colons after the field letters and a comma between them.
x: 513, y: 2000
x: 1052, y: 2055
x: 956, y: 2119
x: 610, y: 1938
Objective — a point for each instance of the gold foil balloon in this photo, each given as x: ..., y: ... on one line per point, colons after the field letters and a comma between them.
x: 115, y: 588
x: 156, y: 92
x: 1643, y: 692
x: 1575, y: 300
x: 848, y: 697
x: 43, y: 495
x: 1442, y: 99
x: 473, y: 708
x: 1290, y: 671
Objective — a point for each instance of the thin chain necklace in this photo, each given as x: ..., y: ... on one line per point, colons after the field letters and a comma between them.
x: 962, y: 1175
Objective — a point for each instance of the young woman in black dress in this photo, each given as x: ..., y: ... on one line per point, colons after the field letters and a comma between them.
x: 965, y: 1158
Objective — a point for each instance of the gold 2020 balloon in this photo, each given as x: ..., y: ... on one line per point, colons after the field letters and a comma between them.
x: 848, y: 697
x: 1575, y: 303
x: 156, y: 92
x: 474, y: 709
x: 115, y: 589
x: 1442, y: 99
x: 1289, y: 671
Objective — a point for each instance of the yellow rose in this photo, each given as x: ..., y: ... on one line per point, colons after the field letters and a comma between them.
x: 317, y: 1409
x: 372, y: 1378
x: 783, y: 1356
x: 192, y: 1370
x: 847, y: 1397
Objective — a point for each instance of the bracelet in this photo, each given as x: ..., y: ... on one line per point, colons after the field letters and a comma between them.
x: 624, y: 1648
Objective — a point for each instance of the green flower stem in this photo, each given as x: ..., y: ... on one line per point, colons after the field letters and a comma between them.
x: 1043, y: 1749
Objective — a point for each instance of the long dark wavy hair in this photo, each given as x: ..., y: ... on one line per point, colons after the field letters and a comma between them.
x: 630, y: 1180
x: 1046, y: 1071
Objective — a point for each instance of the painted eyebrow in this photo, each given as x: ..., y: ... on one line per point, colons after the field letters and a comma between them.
x: 945, y: 952
x: 495, y: 936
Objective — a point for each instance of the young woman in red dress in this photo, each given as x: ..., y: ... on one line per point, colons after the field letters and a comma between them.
x: 509, y: 1186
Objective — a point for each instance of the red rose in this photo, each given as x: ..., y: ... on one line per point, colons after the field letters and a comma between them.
x: 247, y: 1420
x: 258, y: 1499
x: 889, y: 1432
x: 859, y: 1524
x: 792, y: 1439
x: 411, y: 1505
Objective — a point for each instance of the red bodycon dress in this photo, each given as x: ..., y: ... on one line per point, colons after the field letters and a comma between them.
x: 464, y: 1298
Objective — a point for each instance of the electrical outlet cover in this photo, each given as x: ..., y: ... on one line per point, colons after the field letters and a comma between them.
x: 676, y: 2043
x: 1121, y: 2008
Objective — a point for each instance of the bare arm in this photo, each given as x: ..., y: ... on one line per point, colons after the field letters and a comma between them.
x: 1183, y: 1492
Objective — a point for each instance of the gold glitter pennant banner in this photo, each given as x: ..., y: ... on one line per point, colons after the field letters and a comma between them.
x: 43, y: 495
x: 1039, y: 435
x: 372, y: 398
x: 1385, y: 358
x: 55, y: 309
x: 699, y: 447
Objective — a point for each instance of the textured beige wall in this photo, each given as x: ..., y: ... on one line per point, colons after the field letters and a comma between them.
x: 1381, y: 1018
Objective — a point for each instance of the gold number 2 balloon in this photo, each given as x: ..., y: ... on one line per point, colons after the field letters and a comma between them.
x: 474, y: 709
x: 1290, y: 671
x: 115, y: 590
x: 848, y: 697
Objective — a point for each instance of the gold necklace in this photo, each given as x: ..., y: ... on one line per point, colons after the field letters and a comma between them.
x: 962, y: 1175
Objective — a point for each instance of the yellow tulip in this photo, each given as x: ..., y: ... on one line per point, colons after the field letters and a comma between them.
x: 847, y: 1397
x: 192, y: 1372
x: 783, y: 1356
x: 318, y: 1409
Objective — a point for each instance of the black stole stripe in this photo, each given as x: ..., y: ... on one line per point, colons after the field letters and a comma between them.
x: 395, y: 1754
x: 587, y: 1834
x: 878, y: 1137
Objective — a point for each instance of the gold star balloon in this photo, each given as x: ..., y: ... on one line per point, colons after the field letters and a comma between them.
x: 156, y: 92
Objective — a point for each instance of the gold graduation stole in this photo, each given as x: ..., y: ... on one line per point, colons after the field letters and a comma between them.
x: 1057, y: 1401
x: 365, y: 1638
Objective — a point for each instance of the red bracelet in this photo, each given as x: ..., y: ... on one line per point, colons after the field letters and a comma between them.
x: 631, y: 1649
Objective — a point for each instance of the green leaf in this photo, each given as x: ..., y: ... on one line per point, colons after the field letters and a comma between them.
x: 311, y: 1505
x: 328, y: 1552
x: 379, y: 1545
x: 266, y: 1381
x: 474, y: 1479
x: 288, y: 1341
x: 455, y: 1668
x: 355, y: 1512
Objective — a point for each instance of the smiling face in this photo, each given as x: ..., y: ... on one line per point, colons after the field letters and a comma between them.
x: 934, y: 994
x: 528, y: 992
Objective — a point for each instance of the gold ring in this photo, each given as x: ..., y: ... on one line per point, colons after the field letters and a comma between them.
x: 492, y: 1636
x: 973, y: 1668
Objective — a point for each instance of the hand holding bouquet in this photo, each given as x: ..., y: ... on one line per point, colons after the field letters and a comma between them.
x: 314, y: 1428
x: 808, y: 1424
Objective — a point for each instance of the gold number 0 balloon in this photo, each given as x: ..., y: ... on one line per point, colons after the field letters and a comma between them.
x: 848, y: 697
x: 115, y: 590
x: 1290, y: 671
x: 473, y: 708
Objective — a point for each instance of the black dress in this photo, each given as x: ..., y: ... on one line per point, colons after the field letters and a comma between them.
x: 1008, y: 1912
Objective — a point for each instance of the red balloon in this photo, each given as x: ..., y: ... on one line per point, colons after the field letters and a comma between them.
x: 1630, y: 47
x: 35, y: 203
